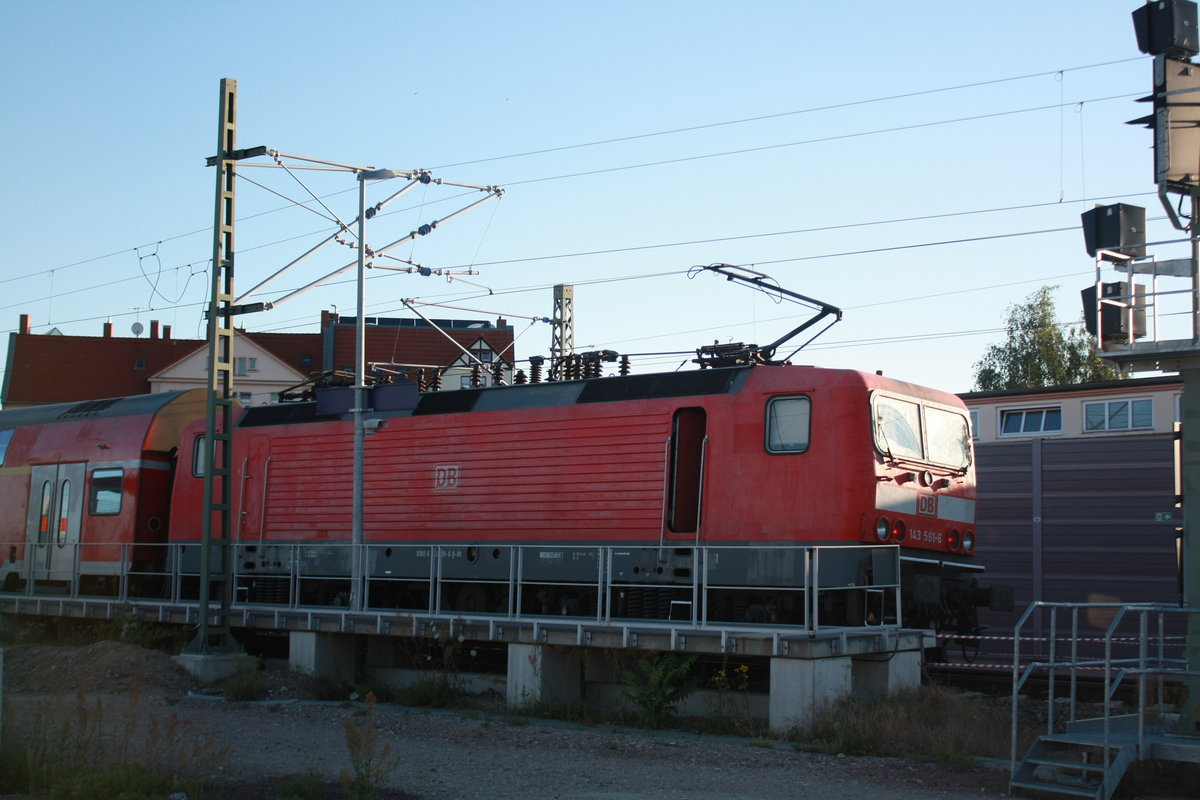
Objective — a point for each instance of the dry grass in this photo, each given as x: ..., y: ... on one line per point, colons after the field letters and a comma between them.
x: 97, y: 747
x: 932, y: 722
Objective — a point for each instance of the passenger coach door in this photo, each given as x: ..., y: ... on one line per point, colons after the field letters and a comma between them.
x: 55, y: 508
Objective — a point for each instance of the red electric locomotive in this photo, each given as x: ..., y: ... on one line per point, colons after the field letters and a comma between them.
x: 748, y: 491
x: 631, y: 478
x: 743, y: 462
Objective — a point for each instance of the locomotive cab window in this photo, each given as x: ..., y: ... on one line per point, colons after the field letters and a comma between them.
x: 949, y: 438
x: 898, y: 427
x: 105, y: 496
x: 789, y: 421
x: 905, y: 429
x: 5, y: 437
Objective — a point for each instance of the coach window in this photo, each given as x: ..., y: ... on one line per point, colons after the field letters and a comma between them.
x: 64, y: 507
x: 5, y: 437
x: 44, y: 516
x: 105, y: 499
x: 789, y: 420
x: 200, y: 457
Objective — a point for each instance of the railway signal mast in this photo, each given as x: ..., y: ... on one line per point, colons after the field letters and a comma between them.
x: 1116, y: 312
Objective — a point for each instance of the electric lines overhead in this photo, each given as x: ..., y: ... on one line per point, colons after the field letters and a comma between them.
x: 154, y: 274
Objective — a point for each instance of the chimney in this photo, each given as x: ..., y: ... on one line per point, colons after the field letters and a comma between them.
x: 153, y: 329
x: 501, y: 322
x: 25, y: 325
x: 166, y: 331
x: 108, y: 329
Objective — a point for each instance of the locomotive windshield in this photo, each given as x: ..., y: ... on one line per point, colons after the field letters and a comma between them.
x: 907, y: 430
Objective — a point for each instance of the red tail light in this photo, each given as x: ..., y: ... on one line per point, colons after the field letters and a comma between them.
x: 899, y: 531
x: 954, y: 540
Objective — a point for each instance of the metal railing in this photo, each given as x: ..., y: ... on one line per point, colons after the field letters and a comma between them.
x: 1141, y: 648
x: 695, y: 588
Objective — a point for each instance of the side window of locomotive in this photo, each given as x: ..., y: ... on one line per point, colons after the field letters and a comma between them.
x: 898, y: 427
x: 789, y: 421
x: 5, y: 437
x: 105, y: 497
x: 949, y: 438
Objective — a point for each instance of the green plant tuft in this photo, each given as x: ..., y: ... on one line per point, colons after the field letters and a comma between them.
x: 657, y: 685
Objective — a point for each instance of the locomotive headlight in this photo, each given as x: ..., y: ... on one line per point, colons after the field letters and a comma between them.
x: 882, y: 529
x: 954, y: 540
x: 968, y: 541
x: 899, y: 531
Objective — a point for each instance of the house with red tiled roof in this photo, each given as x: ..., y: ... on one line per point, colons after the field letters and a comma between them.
x: 53, y: 368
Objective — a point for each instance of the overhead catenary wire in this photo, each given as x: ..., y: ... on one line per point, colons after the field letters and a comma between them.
x: 781, y: 114
x: 778, y: 233
x: 667, y: 132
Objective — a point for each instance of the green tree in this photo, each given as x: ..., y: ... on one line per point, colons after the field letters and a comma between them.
x: 1040, y: 352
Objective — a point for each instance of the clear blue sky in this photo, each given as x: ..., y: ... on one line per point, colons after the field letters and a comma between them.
x: 860, y: 158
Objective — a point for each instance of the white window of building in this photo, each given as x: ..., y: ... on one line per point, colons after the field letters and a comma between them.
x: 1030, y: 421
x: 243, y: 365
x: 974, y: 423
x: 1118, y: 415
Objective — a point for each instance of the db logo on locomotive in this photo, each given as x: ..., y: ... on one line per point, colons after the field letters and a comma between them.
x: 445, y: 476
x: 927, y: 505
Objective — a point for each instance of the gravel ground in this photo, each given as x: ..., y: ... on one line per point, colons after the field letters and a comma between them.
x: 456, y: 755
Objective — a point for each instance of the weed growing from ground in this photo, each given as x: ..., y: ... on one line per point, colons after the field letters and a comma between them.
x: 437, y: 690
x: 306, y: 786
x: 371, y: 758
x: 657, y: 685
x: 729, y: 703
x: 245, y: 685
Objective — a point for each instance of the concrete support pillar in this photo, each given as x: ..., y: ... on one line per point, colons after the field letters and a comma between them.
x: 214, y: 667
x: 322, y: 655
x: 801, y: 688
x: 880, y: 676
x: 543, y: 674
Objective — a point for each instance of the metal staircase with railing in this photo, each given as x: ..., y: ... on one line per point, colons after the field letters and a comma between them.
x: 1138, y: 657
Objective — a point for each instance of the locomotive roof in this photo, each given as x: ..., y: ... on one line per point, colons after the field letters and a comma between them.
x: 89, y: 409
x: 530, y: 395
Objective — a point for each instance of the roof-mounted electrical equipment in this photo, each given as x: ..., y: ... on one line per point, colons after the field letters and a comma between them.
x: 739, y: 354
